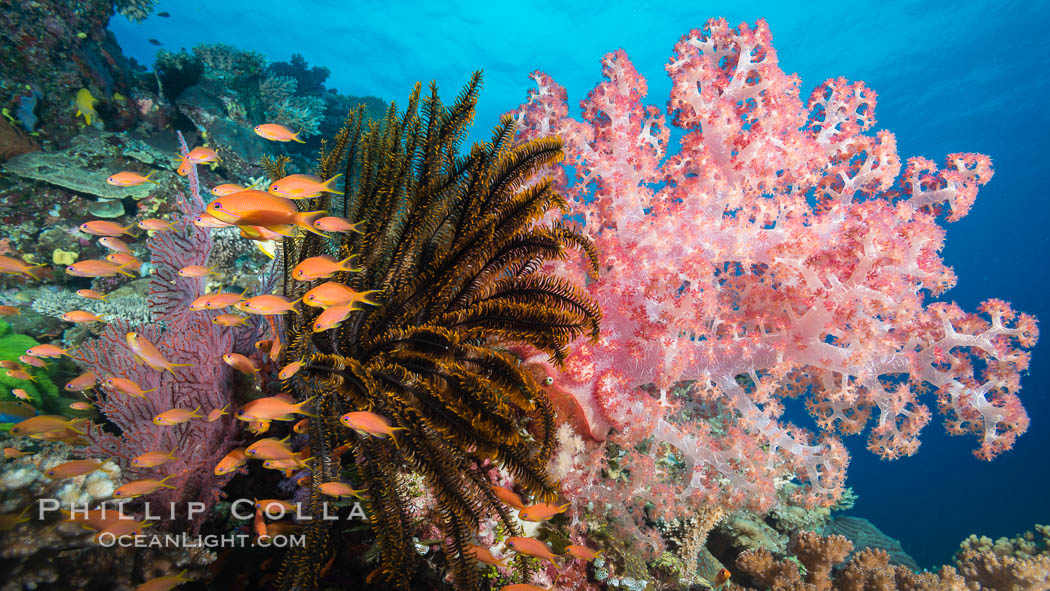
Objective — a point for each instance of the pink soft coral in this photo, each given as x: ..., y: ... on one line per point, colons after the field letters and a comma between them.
x: 776, y: 254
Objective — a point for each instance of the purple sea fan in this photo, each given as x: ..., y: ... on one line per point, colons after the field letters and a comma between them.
x: 183, y: 337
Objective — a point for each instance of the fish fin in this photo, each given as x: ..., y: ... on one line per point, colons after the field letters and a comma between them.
x: 295, y: 137
x: 343, y: 264
x: 165, y: 479
x: 121, y: 270
x: 326, y: 185
x: 171, y: 365
x: 305, y: 220
x: 149, y: 174
x: 197, y: 410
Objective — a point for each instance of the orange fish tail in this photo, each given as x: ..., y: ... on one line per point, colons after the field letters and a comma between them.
x: 326, y: 186
x: 295, y: 137
x: 306, y: 219
x: 171, y: 365
x: 149, y: 174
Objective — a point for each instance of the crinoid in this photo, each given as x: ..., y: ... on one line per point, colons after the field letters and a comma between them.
x: 452, y: 248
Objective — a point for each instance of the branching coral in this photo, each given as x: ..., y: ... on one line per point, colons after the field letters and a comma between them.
x: 453, y: 246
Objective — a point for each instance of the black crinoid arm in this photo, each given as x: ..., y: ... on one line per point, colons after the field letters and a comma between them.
x: 451, y: 254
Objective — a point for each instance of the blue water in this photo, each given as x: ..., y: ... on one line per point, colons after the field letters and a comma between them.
x: 950, y: 77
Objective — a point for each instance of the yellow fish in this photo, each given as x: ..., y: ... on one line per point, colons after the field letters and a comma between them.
x: 86, y: 105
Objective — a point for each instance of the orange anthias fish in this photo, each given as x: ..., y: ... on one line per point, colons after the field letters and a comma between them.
x: 84, y: 381
x: 277, y: 133
x: 11, y: 453
x: 207, y: 220
x: 532, y: 547
x: 302, y: 186
x: 270, y: 449
x: 47, y: 350
x: 369, y: 423
x: 240, y: 363
x: 9, y: 310
x: 331, y: 293
x: 233, y: 460
x: 80, y: 405
x: 581, y: 552
x: 142, y: 487
x: 509, y: 497
x: 165, y: 583
x: 127, y: 178
x: 483, y: 555
x: 332, y: 317
x: 272, y: 408
x: 74, y: 468
x: 13, y: 266
x: 217, y: 301
x: 194, y: 271
x: 336, y: 224
x: 96, y: 268
x: 19, y: 374
x: 541, y: 511
x: 115, y: 244
x: 152, y: 459
x: 217, y: 413
x: 122, y: 527
x: 722, y: 576
x: 124, y: 260
x: 302, y: 426
x: 127, y: 387
x: 80, y: 316
x: 21, y: 394
x: 200, y: 155
x: 229, y: 320
x: 290, y: 370
x: 30, y: 360
x: 339, y: 489
x: 177, y: 416
x: 148, y: 353
x: 322, y: 267
x: 184, y: 168
x: 259, y: 208
x: 156, y: 225
x: 91, y: 294
x: 226, y: 189
x: 267, y: 305
x: 104, y: 228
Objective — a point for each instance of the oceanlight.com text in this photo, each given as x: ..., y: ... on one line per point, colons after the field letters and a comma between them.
x: 109, y: 540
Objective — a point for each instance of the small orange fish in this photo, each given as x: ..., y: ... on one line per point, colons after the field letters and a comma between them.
x: 44, y: 424
x: 270, y: 449
x: 152, y: 459
x: 369, y: 423
x: 21, y: 394
x: 216, y: 413
x: 11, y: 453
x: 267, y: 305
x: 322, y: 267
x: 34, y: 361
x: 226, y: 189
x: 332, y: 317
x: 291, y: 369
x: 339, y: 489
x: 156, y: 225
x: 229, y: 320
x: 127, y: 178
x: 9, y: 310
x: 336, y: 224
x: 259, y: 208
x: 258, y: 427
x: 96, y: 268
x: 217, y: 301
x: 142, y: 487
x: 165, y: 583
x: 194, y: 271
x: 200, y: 155
x: 81, y: 405
x: 272, y: 408
x: 177, y: 416
x: 124, y: 260
x: 105, y: 228
x: 19, y: 374
x: 509, y: 497
x: 115, y: 244
x: 483, y: 555
x: 80, y: 316
x: 127, y: 387
x: 233, y: 460
x: 84, y: 381
x: 119, y: 528
x: 48, y: 351
x: 240, y: 363
x: 304, y: 480
x: 302, y: 426
x: 184, y: 168
x: 277, y: 133
x: 532, y: 547
x: 12, y: 266
x: 722, y: 576
x: 332, y: 293
x: 74, y: 468
x: 91, y: 294
x: 8, y: 364
x: 148, y: 353
x: 302, y: 186
x: 206, y: 220
x: 541, y: 511
x: 276, y: 505
x: 581, y: 552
